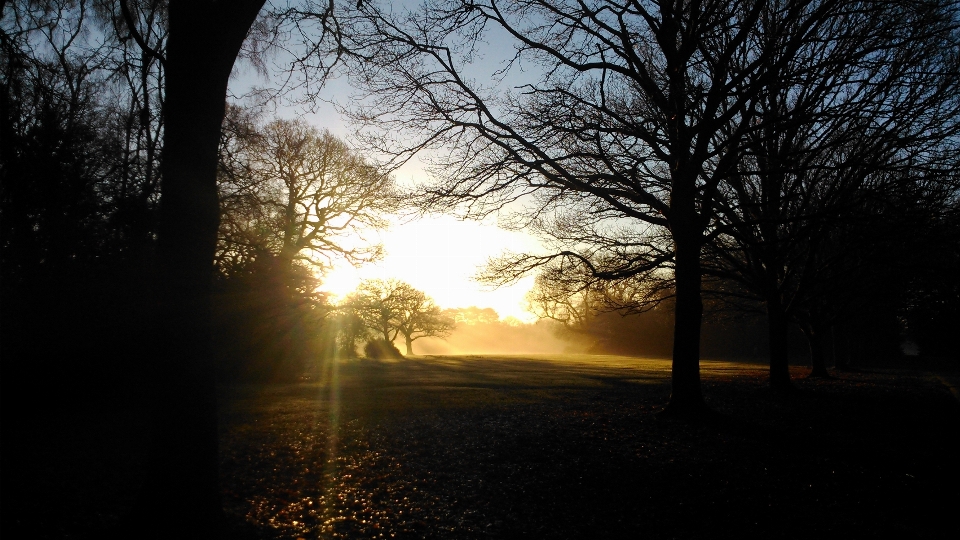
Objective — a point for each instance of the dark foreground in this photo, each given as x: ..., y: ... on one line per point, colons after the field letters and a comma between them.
x: 562, y: 447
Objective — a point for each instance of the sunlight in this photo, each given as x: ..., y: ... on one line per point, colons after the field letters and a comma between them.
x: 440, y: 255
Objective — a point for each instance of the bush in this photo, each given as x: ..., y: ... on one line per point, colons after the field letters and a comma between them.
x: 379, y: 349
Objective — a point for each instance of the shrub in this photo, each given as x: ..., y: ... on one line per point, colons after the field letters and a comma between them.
x: 380, y: 349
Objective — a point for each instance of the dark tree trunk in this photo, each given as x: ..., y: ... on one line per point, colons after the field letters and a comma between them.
x: 817, y: 341
x: 778, y: 330
x: 181, y: 495
x: 841, y: 348
x: 686, y: 398
x: 409, y: 345
x: 830, y: 346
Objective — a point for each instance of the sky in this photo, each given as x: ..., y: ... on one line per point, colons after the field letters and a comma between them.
x: 439, y: 255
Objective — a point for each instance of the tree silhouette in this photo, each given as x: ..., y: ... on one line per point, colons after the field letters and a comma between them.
x: 628, y: 139
x: 636, y: 120
x: 837, y: 135
x: 299, y: 193
x: 150, y: 68
x: 392, y: 308
x: 204, y: 37
x: 421, y: 317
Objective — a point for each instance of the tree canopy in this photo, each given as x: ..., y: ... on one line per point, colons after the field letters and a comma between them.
x: 625, y: 144
x: 391, y: 308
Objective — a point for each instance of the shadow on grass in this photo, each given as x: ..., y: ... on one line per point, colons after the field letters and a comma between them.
x: 565, y: 447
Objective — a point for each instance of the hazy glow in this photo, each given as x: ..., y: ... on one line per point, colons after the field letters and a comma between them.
x: 440, y: 255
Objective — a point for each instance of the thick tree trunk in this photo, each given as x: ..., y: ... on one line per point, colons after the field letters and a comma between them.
x: 686, y: 398
x: 818, y: 351
x: 816, y: 340
x: 181, y: 495
x: 778, y: 329
x: 830, y: 341
x: 841, y: 348
x: 409, y: 343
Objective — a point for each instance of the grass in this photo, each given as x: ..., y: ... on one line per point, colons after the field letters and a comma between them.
x: 540, y: 447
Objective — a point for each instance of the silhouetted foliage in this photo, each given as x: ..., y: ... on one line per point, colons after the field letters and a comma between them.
x: 931, y: 306
x: 299, y: 193
x: 269, y: 321
x: 623, y: 142
x: 391, y: 308
x: 381, y: 349
x: 76, y: 226
x: 293, y: 199
x: 91, y: 269
x: 649, y: 131
x: 736, y: 126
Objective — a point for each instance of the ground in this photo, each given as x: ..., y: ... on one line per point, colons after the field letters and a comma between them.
x: 532, y: 447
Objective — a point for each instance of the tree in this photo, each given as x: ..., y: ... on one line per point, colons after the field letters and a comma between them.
x: 349, y: 330
x: 176, y: 56
x: 204, y: 40
x: 293, y: 199
x: 630, y: 139
x: 299, y: 193
x: 473, y: 315
x: 839, y: 135
x: 421, y: 317
x: 392, y: 308
x: 78, y: 213
x: 204, y: 37
x: 636, y: 119
x: 933, y: 297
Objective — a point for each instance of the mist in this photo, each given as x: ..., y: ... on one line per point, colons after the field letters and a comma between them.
x: 507, y: 336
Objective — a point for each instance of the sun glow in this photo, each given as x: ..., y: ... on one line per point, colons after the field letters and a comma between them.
x: 440, y: 255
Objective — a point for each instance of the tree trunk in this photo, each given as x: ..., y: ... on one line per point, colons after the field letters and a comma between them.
x: 778, y: 331
x: 181, y: 494
x: 841, y: 348
x: 818, y: 359
x: 409, y: 345
x: 686, y: 398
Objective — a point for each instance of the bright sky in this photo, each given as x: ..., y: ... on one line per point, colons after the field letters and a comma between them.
x: 440, y: 255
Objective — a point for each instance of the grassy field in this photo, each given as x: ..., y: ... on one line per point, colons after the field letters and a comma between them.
x: 535, y: 447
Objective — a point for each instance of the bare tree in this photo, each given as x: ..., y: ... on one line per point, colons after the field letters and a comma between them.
x: 420, y: 317
x: 392, y: 308
x: 204, y: 37
x: 171, y: 60
x: 635, y: 123
x: 298, y: 193
x: 635, y: 118
x: 856, y: 116
x: 572, y: 295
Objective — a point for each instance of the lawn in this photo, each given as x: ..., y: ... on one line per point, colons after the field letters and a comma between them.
x: 536, y: 447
